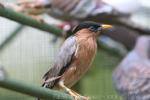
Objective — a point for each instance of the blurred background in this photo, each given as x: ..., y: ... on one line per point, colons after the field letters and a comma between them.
x: 27, y: 53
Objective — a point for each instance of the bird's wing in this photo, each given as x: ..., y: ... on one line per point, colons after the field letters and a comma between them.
x: 133, y: 82
x: 63, y: 59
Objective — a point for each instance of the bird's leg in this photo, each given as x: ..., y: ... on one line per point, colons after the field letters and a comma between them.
x: 62, y: 86
x: 75, y: 95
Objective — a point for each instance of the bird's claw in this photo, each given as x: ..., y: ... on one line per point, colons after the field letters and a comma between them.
x: 84, y: 98
x: 77, y: 96
x: 80, y: 97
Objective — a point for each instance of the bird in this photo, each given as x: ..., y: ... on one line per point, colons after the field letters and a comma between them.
x: 78, y: 9
x: 29, y: 7
x: 74, y: 58
x: 81, y: 8
x: 131, y: 78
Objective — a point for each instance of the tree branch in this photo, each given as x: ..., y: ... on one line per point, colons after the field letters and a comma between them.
x: 26, y: 20
x: 32, y: 90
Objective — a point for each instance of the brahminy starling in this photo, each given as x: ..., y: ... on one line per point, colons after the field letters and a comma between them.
x: 74, y: 58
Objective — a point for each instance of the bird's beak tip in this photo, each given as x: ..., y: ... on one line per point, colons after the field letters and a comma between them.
x: 106, y: 26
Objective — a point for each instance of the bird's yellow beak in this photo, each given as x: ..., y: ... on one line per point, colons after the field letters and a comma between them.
x: 105, y: 26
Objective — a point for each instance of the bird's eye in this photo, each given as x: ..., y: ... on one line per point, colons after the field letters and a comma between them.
x: 92, y: 29
x: 95, y: 29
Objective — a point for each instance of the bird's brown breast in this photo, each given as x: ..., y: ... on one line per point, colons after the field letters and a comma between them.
x: 82, y: 59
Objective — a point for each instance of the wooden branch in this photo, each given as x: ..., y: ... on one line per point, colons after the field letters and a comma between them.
x: 33, y: 90
x: 26, y: 20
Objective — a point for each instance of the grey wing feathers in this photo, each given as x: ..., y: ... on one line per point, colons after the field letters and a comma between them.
x: 63, y: 59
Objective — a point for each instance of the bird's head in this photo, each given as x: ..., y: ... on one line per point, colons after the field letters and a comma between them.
x: 91, y: 26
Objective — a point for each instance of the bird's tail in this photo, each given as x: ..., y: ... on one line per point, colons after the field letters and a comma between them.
x: 45, y: 86
x: 49, y: 83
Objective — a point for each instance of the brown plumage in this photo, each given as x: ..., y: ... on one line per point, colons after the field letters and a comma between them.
x: 82, y: 57
x: 74, y: 58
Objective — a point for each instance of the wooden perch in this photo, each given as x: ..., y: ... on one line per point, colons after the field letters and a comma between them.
x: 33, y: 90
x: 26, y: 20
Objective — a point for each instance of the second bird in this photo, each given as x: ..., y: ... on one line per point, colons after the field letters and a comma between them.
x: 131, y: 78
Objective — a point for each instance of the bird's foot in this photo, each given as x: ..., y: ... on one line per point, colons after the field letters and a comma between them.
x: 78, y: 97
x: 84, y: 98
x: 75, y: 95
